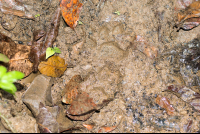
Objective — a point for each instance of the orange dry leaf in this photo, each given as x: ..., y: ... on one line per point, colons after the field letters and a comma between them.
x: 70, y: 11
x: 191, y: 11
x: 88, y: 126
x: 54, y: 66
x: 189, y: 18
x: 106, y: 129
x: 165, y: 103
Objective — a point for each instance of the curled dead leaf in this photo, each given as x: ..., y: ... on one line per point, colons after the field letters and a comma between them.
x: 189, y: 18
x: 82, y: 107
x: 54, y: 66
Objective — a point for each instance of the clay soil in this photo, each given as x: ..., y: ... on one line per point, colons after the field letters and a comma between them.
x: 103, y: 52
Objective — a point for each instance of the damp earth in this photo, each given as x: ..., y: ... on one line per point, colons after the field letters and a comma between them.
x: 105, y: 50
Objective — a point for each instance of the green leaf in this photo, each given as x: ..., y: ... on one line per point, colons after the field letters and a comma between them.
x: 8, y: 87
x: 80, y: 23
x: 49, y: 52
x: 3, y: 71
x: 4, y: 58
x: 117, y: 12
x: 56, y: 50
x: 12, y: 76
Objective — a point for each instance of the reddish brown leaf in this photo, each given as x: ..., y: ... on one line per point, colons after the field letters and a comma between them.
x: 18, y: 55
x: 71, y: 89
x: 165, y: 103
x: 70, y: 95
x: 189, y: 18
x: 70, y: 11
x: 187, y: 95
x: 106, y: 129
x: 43, y: 40
x: 83, y: 107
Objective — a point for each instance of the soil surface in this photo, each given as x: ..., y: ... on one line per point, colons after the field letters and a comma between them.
x: 104, y: 52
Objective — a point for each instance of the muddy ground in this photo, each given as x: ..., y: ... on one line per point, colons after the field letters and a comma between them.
x: 103, y: 52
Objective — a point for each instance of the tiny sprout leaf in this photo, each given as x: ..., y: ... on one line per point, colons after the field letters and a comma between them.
x: 49, y: 52
x: 8, y: 87
x: 56, y: 50
x: 4, y: 58
x: 3, y: 71
x: 80, y: 23
x: 117, y: 12
x: 12, y: 76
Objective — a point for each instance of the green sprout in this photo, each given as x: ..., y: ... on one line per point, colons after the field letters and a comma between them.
x: 117, y: 12
x: 7, y: 79
x: 37, y: 15
x: 4, y: 58
x: 51, y: 51
x: 80, y: 23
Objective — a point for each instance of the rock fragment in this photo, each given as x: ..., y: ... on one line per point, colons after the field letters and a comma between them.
x: 38, y: 91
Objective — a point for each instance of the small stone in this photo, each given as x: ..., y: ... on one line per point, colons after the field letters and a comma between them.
x: 46, y: 119
x: 39, y: 91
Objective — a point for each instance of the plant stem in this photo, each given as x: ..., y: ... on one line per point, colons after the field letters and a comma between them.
x: 7, y: 122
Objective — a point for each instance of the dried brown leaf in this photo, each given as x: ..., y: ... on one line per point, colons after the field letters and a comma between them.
x: 18, y: 55
x: 83, y: 107
x: 54, y: 66
x: 71, y: 89
x: 189, y: 18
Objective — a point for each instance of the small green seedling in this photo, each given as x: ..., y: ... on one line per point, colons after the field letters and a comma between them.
x: 37, y: 15
x: 80, y: 23
x: 7, y: 79
x: 4, y: 58
x: 51, y: 51
x: 117, y: 12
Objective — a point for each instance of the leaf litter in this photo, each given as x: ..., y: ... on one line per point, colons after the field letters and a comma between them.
x: 189, y: 17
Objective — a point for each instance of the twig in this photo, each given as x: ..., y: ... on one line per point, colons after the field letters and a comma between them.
x: 8, y: 123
